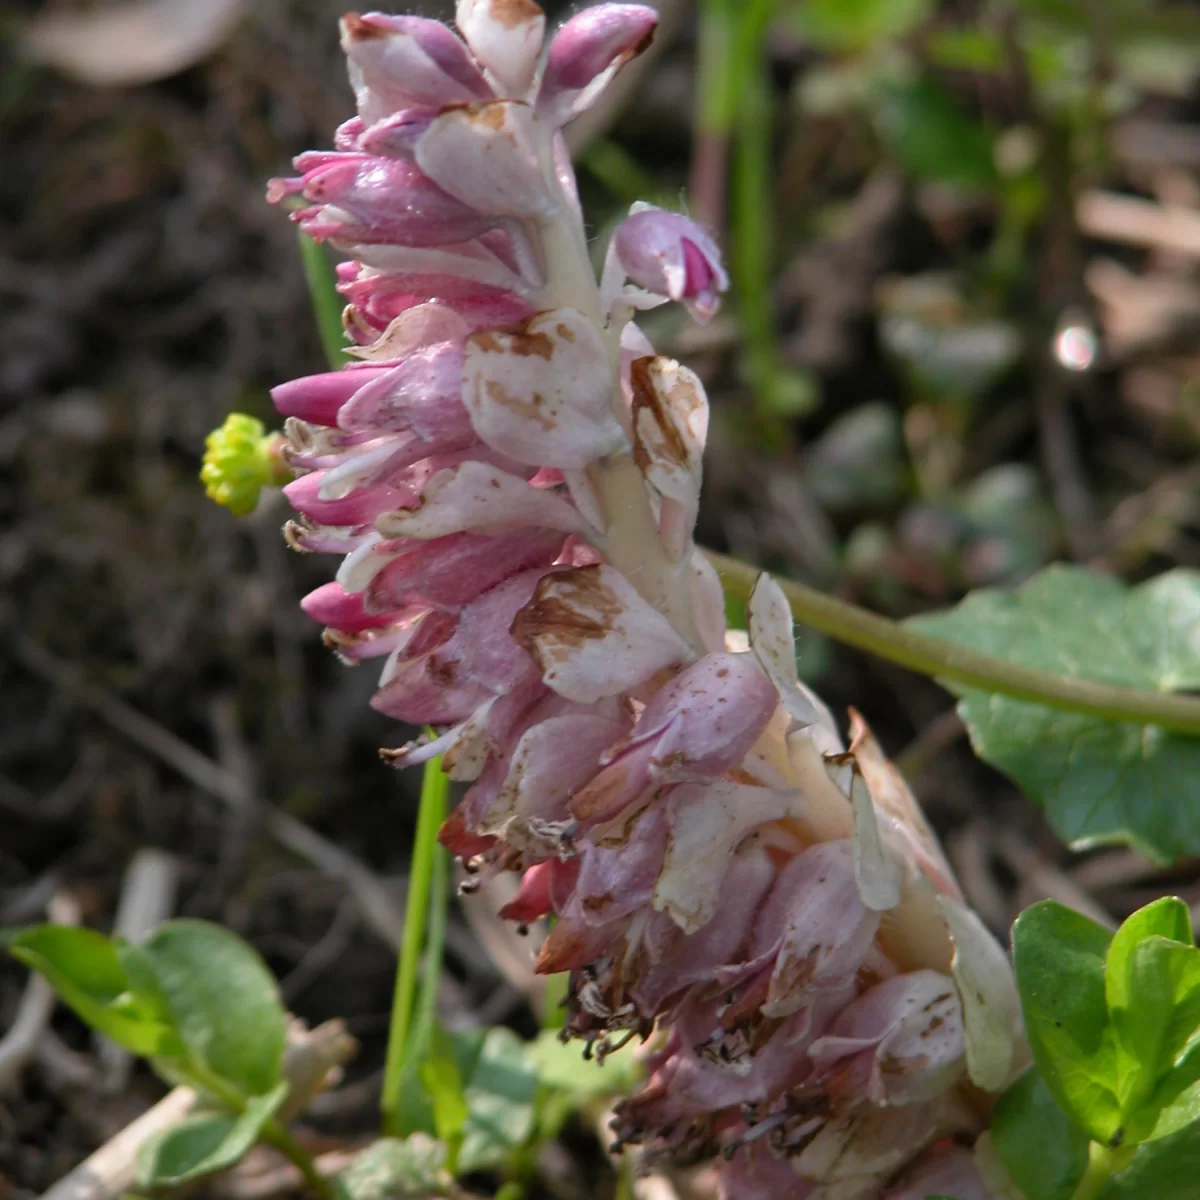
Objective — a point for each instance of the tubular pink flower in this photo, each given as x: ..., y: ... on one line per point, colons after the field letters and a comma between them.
x: 513, y: 475
x: 669, y: 255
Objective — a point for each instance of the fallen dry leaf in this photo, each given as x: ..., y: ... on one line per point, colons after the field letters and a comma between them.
x: 131, y: 43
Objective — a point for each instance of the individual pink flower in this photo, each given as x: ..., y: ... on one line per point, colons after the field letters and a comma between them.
x: 512, y: 477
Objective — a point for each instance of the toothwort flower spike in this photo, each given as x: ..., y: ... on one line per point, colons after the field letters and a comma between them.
x: 512, y: 476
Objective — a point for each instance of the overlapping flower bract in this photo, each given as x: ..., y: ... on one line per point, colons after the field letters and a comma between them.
x: 512, y: 476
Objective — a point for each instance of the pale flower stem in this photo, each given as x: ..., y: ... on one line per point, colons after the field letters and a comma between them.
x: 630, y: 540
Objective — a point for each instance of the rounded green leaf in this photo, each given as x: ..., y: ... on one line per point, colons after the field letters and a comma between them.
x: 222, y: 999
x: 1043, y: 1150
x: 1099, y: 781
x: 202, y: 1144
x: 83, y: 968
x: 1058, y: 956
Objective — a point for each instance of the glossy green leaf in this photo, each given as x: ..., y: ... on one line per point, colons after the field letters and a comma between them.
x: 1099, y: 781
x: 1043, y: 1150
x: 1159, y: 1030
x: 222, y: 998
x: 1152, y: 984
x: 83, y: 968
x: 397, y: 1167
x: 1058, y: 956
x: 1167, y: 1168
x: 202, y: 1144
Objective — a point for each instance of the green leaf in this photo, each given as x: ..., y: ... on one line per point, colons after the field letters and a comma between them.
x: 443, y: 1083
x: 1058, y: 956
x: 223, y: 1000
x: 933, y: 137
x: 562, y: 1066
x: 500, y: 1095
x: 1164, y: 1169
x: 83, y: 968
x: 1100, y: 781
x: 394, y: 1167
x: 204, y: 1143
x: 1143, y: 986
x: 850, y: 24
x: 1043, y: 1150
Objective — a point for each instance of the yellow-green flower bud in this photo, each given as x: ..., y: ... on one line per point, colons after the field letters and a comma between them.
x: 240, y: 459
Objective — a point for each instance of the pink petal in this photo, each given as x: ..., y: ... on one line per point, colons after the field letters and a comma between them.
x: 317, y: 398
x: 404, y: 62
x: 587, y: 51
x: 451, y: 571
x: 815, y: 925
x: 332, y: 606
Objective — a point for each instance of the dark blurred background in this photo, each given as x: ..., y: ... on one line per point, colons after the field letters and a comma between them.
x: 962, y: 343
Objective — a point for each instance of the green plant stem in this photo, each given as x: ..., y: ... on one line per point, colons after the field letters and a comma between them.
x: 435, y: 938
x: 966, y: 668
x: 327, y: 304
x: 434, y: 787
x: 1102, y: 1164
x: 274, y: 1134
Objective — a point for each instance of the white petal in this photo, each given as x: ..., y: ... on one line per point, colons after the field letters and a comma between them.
x: 486, y: 156
x: 479, y: 497
x: 506, y: 36
x: 670, y: 424
x: 593, y: 635
x: 707, y: 823
x: 543, y: 393
x: 991, y: 1010
x: 877, y: 871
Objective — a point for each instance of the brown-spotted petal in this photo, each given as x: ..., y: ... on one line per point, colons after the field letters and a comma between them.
x: 542, y: 393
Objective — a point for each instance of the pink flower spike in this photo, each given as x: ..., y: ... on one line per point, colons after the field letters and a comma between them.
x: 506, y: 36
x: 670, y: 255
x: 407, y: 62
x: 587, y: 51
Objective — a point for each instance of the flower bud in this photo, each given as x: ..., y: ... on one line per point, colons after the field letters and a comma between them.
x: 407, y: 62
x: 357, y: 197
x: 670, y: 255
x: 587, y: 51
x: 506, y: 36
